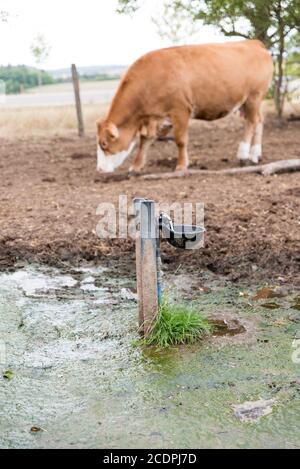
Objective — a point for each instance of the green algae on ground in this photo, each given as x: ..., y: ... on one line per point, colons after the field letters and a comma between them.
x: 8, y: 374
x: 77, y: 376
x: 296, y: 303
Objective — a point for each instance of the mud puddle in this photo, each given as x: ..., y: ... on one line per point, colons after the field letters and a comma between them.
x: 71, y: 375
x: 223, y: 327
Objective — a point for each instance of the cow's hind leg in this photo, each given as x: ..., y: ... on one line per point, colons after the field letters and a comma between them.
x: 256, y: 148
x: 180, y: 123
x: 252, y: 117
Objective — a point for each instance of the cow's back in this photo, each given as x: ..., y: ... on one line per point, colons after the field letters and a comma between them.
x: 209, y: 79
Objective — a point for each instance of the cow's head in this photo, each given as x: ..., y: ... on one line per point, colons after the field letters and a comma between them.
x: 114, y: 146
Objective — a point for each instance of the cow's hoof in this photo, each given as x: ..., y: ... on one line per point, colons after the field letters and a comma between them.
x: 249, y: 162
x: 135, y: 169
x: 253, y: 163
x: 134, y: 172
x: 181, y: 169
x: 244, y: 163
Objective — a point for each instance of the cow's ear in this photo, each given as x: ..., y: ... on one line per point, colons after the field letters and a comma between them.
x: 113, y: 131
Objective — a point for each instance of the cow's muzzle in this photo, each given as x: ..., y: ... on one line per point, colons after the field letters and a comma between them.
x: 108, y: 163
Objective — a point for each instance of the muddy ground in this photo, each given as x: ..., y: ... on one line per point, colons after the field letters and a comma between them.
x: 71, y: 372
x: 73, y: 376
x: 50, y: 193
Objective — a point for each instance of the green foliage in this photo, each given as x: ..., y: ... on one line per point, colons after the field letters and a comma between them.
x: 21, y: 77
x: 98, y: 77
x: 293, y: 58
x: 173, y: 23
x: 8, y: 374
x: 176, y: 325
x: 260, y: 19
x: 265, y: 19
x: 40, y: 49
x: 293, y: 65
x: 128, y: 6
x: 4, y: 15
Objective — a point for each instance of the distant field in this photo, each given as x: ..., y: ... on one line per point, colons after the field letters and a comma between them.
x: 68, y: 87
x: 98, y: 92
x: 28, y: 121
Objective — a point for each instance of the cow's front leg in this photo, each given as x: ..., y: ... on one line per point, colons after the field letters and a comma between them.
x: 141, y: 156
x: 180, y: 123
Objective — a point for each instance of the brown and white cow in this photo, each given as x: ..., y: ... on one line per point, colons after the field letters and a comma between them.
x: 178, y: 83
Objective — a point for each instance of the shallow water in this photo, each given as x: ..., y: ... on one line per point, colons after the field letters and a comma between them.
x: 68, y: 340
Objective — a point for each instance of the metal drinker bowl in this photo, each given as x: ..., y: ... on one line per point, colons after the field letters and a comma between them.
x: 180, y: 236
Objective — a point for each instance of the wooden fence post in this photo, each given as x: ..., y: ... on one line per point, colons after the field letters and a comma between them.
x: 138, y: 254
x: 146, y: 265
x: 77, y: 101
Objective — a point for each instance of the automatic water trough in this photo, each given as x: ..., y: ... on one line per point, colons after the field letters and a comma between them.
x: 150, y: 229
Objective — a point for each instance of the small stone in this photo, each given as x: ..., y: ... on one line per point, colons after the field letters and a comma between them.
x: 128, y: 295
x: 49, y: 179
x: 253, y: 411
x: 35, y: 430
x: 65, y: 254
x: 205, y: 290
x: 88, y: 280
x: 271, y: 305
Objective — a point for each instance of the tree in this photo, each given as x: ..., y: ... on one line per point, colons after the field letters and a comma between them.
x: 20, y: 77
x: 40, y: 50
x: 174, y: 24
x: 4, y: 16
x: 172, y: 21
x: 128, y: 6
x: 274, y: 22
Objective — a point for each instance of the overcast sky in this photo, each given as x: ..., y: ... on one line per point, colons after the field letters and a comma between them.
x: 86, y: 32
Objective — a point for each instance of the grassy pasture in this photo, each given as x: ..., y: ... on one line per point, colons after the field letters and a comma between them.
x: 61, y: 120
x: 56, y: 120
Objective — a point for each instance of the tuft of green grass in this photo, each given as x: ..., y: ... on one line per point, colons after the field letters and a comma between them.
x: 176, y: 325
